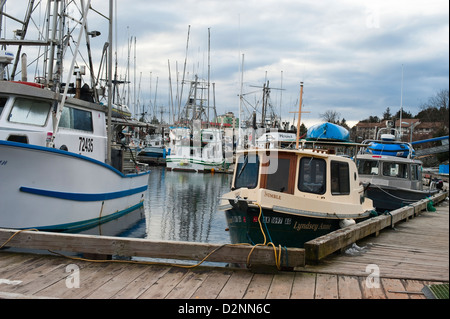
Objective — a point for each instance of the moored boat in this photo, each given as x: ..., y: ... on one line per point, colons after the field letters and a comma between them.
x: 200, y: 151
x: 59, y: 169
x: 289, y: 197
x: 391, y: 176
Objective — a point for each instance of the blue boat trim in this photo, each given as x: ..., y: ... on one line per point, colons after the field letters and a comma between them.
x: 83, y: 197
x: 87, y: 224
x: 70, y: 154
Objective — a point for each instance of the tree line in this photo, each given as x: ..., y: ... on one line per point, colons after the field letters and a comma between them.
x: 435, y: 109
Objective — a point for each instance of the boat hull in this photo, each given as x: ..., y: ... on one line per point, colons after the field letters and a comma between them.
x: 390, y: 198
x: 279, y: 228
x: 50, y: 189
x: 192, y: 164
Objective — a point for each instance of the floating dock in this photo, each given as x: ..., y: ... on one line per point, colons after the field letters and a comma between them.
x: 396, y: 256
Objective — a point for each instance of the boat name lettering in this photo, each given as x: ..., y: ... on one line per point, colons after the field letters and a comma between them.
x: 274, y: 196
x: 86, y: 144
x: 3, y: 163
x: 311, y: 226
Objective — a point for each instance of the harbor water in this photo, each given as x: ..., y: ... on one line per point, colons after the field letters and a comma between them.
x: 179, y: 206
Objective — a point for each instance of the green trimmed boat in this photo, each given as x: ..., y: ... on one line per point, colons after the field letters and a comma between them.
x: 288, y: 197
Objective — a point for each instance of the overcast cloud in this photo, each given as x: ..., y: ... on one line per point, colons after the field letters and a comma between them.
x: 349, y: 53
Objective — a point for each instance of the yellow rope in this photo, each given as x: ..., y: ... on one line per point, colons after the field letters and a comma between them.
x: 277, y: 256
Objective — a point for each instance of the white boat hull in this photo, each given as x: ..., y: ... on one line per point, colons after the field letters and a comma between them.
x: 192, y: 164
x: 50, y: 189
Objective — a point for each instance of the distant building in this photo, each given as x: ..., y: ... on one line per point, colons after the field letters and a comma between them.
x: 228, y: 120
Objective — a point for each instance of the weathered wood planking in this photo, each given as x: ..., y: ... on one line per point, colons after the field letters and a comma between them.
x: 414, y: 250
x: 45, y: 277
x: 318, y: 248
x: 136, y: 247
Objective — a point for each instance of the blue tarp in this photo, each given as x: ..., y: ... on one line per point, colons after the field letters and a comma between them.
x: 328, y: 131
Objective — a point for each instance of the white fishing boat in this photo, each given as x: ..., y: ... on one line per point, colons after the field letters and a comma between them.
x: 59, y: 169
x: 198, y: 152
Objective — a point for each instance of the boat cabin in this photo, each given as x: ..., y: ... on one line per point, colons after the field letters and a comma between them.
x: 390, y: 171
x: 26, y: 117
x: 306, y: 180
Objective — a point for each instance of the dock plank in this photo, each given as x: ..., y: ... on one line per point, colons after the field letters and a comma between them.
x: 164, y: 285
x: 349, y: 288
x: 236, y: 286
x: 281, y: 286
x: 212, y: 285
x: 326, y: 287
x: 190, y: 283
x: 259, y: 286
x: 371, y: 292
x: 304, y: 286
x: 128, y: 274
x: 135, y: 288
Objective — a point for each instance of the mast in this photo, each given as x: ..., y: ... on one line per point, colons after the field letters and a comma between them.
x: 53, y: 41
x: 209, y: 68
x: 110, y: 92
x: 184, y: 72
x: 240, y: 98
x: 299, y: 115
x: 22, y: 36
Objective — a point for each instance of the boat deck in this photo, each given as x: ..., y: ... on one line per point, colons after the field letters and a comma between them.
x: 414, y: 254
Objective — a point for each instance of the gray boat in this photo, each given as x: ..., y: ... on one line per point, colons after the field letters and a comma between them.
x: 391, y: 176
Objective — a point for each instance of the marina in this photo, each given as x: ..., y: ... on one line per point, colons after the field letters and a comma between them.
x: 100, y: 199
x: 405, y: 264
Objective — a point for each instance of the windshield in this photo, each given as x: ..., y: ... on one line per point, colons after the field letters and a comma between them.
x: 247, y: 171
x: 32, y: 112
x: 2, y: 103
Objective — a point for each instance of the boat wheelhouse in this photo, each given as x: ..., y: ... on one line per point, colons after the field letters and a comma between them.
x: 292, y: 196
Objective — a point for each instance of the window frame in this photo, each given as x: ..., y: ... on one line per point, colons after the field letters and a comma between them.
x: 73, y: 117
x: 343, y: 182
x: 301, y: 176
x: 265, y: 177
x: 16, y: 104
x: 238, y: 171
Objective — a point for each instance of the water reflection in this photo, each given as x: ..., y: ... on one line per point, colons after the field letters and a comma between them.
x: 182, y: 206
x: 129, y: 225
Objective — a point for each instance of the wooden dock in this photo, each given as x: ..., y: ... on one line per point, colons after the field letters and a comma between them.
x: 395, y: 264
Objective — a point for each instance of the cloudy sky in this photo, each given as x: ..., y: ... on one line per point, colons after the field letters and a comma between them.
x: 349, y: 53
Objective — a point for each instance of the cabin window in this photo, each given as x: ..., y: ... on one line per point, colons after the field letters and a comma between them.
x: 207, y: 137
x: 395, y: 170
x: 30, y: 112
x: 340, y: 178
x: 415, y: 172
x: 279, y: 174
x: 2, y: 103
x: 247, y: 171
x: 312, y: 175
x: 367, y: 167
x: 76, y: 119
